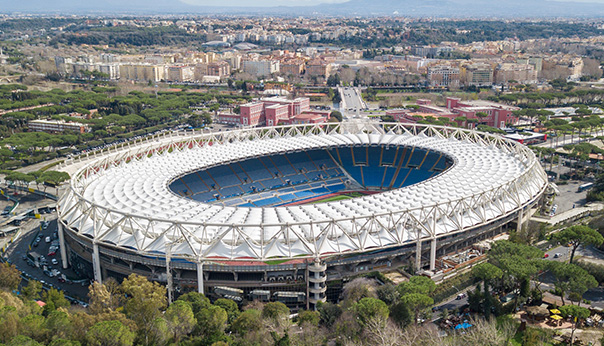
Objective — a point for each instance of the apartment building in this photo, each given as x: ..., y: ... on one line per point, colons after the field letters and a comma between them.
x: 443, y: 75
x: 318, y: 68
x: 142, y: 72
x: 261, y: 67
x: 478, y: 74
x: 268, y: 111
x: 293, y: 67
x: 180, y: 73
x: 521, y: 73
x: 497, y: 114
x: 51, y: 126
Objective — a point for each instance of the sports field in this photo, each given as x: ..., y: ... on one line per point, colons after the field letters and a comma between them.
x: 338, y: 197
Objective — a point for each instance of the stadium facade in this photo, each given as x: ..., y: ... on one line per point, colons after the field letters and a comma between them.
x: 277, y: 213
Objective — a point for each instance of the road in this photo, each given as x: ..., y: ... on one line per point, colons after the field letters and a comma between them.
x: 560, y: 141
x: 453, y: 303
x: 595, y: 295
x: 352, y: 102
x: 17, y: 255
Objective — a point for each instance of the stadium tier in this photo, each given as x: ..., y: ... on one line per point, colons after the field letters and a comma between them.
x: 311, y: 174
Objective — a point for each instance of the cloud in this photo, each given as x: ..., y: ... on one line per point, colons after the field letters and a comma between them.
x: 260, y: 3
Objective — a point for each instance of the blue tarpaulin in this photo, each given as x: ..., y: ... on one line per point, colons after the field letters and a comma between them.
x: 464, y: 325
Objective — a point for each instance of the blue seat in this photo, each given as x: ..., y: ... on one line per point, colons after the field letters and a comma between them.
x: 224, y: 176
x: 374, y: 156
x: 389, y: 156
x: 360, y: 155
x: 229, y: 191
x: 389, y: 175
x: 336, y: 188
x: 267, y: 202
x: 283, y: 165
x: 372, y: 175
x: 417, y: 158
x: 287, y: 197
x: 416, y: 176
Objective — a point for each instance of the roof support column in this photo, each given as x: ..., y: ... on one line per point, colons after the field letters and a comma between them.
x: 418, y: 251
x: 200, y: 277
x: 62, y: 244
x: 519, y: 221
x: 170, y: 284
x: 96, y: 262
x: 433, y: 254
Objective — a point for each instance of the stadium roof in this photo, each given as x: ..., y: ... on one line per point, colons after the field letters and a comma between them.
x: 125, y: 201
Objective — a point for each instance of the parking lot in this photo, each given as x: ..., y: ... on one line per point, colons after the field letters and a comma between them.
x: 569, y: 196
x: 35, y: 251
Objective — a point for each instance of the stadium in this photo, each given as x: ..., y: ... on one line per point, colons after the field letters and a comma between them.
x: 288, y: 213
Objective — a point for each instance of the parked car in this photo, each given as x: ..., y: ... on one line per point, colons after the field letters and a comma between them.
x: 54, y: 261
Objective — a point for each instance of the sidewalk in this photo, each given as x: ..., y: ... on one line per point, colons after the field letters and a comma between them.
x: 569, y: 214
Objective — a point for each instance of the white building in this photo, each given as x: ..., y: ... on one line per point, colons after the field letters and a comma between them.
x: 261, y: 68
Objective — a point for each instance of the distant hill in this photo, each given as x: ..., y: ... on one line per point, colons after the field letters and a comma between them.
x: 465, y: 8
x: 411, y: 8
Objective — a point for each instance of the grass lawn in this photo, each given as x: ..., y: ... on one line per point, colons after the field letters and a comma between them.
x: 342, y: 197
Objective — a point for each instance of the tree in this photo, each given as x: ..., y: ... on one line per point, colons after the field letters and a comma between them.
x: 485, y: 272
x: 56, y: 298
x: 336, y: 115
x: 211, y: 322
x: 275, y: 310
x: 388, y: 293
x: 197, y: 301
x: 32, y: 290
x: 417, y: 302
x: 103, y: 297
x: 9, y: 323
x: 417, y: 284
x: 577, y: 313
x: 515, y: 260
x: 357, y: 289
x: 180, y: 318
x: 329, y: 313
x: 22, y: 340
x: 401, y: 314
x: 59, y: 325
x: 110, y: 333
x: 333, y: 80
x: 369, y: 308
x: 144, y: 303
x: 308, y: 317
x: 10, y: 276
x: 578, y: 235
x: 64, y: 342
x: 230, y: 307
x: 33, y: 326
x: 248, y: 321
x: 571, y: 278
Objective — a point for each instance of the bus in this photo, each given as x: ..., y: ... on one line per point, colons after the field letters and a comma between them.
x: 585, y: 186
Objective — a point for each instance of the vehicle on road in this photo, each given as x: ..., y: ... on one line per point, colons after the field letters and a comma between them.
x: 557, y: 255
x: 54, y: 261
x: 585, y: 186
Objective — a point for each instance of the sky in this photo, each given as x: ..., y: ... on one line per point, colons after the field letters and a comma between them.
x: 254, y: 3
